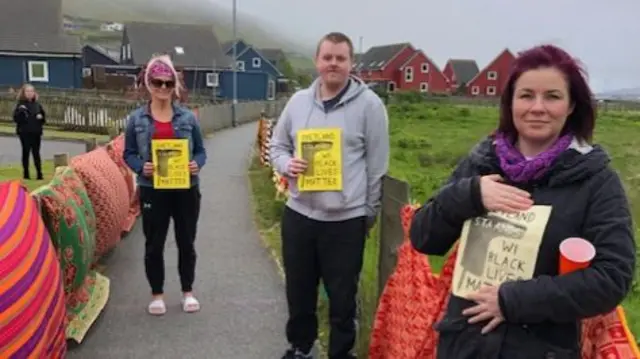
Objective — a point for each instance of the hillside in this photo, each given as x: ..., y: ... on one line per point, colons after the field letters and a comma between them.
x: 251, y: 29
x: 632, y: 94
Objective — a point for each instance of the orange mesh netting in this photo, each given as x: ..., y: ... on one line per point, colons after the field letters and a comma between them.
x: 414, y: 300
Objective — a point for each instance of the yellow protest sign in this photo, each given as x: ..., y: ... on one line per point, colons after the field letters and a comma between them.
x: 322, y: 149
x: 498, y: 247
x: 171, y: 160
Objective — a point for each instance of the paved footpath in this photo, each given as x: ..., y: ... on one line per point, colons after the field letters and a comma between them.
x: 240, y: 290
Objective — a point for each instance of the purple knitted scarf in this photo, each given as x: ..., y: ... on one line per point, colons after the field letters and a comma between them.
x: 517, y: 168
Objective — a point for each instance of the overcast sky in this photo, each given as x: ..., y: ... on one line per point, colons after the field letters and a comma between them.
x: 604, y: 35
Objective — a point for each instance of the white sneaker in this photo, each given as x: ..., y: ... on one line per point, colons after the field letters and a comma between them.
x: 190, y: 304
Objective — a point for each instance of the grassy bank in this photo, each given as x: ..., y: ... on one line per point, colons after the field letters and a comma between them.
x: 427, y: 140
x: 14, y: 171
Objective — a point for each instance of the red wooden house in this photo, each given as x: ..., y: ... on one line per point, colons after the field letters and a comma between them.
x: 399, y: 67
x: 491, y: 80
x: 460, y: 72
x: 420, y: 73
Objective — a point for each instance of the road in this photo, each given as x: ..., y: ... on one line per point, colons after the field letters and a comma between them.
x: 10, y: 151
x: 241, y: 293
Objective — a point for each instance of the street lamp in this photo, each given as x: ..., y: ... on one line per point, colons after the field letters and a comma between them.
x: 235, y: 65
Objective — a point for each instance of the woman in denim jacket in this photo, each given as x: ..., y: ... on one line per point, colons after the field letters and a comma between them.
x: 162, y: 118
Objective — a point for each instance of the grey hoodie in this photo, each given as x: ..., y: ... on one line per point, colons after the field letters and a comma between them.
x: 365, y: 150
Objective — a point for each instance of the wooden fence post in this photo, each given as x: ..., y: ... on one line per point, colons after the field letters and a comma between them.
x: 395, y: 195
x: 60, y: 160
x: 91, y: 144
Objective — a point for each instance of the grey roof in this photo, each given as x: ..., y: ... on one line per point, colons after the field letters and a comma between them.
x: 200, y: 44
x: 109, y: 53
x: 464, y: 69
x: 226, y: 45
x: 378, y: 56
x: 273, y: 55
x: 43, y: 34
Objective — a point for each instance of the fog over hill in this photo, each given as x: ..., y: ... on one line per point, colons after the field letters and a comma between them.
x: 250, y: 28
x: 623, y: 94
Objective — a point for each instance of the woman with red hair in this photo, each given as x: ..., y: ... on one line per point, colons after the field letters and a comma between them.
x: 541, y: 154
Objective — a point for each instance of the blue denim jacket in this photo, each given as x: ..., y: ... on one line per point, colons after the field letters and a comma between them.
x: 140, y: 130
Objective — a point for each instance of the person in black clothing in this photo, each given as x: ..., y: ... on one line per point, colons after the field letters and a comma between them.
x: 541, y: 154
x: 30, y: 118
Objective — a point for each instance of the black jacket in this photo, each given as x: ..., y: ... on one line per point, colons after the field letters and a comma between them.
x: 25, y: 115
x: 543, y: 314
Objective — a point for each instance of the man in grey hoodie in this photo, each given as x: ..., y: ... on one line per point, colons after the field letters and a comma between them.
x: 324, y: 232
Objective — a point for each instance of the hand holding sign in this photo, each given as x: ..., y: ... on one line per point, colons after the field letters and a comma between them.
x: 148, y: 169
x: 296, y: 166
x: 487, y: 308
x: 193, y: 168
x: 497, y: 196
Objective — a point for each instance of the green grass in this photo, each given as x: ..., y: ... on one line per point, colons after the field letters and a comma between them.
x: 427, y: 140
x: 52, y: 132
x: 14, y: 171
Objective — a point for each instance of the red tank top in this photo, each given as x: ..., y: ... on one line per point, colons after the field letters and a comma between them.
x: 164, y: 130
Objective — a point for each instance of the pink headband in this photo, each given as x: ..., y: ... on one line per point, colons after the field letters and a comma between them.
x: 160, y: 69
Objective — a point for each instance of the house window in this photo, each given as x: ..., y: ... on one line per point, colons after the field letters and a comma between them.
x: 391, y: 86
x: 256, y: 62
x: 492, y: 75
x: 475, y: 90
x: 408, y: 74
x: 213, y: 79
x: 424, y: 87
x: 240, y: 65
x: 271, y: 90
x: 424, y: 67
x: 123, y: 53
x: 491, y: 90
x: 86, y: 71
x: 38, y: 71
x: 128, y: 51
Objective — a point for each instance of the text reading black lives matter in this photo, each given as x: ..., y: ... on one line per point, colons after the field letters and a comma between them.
x: 325, y: 168
x: 178, y: 173
x: 505, y: 262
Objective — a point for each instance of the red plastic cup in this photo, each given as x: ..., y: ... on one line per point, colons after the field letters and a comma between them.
x: 575, y: 254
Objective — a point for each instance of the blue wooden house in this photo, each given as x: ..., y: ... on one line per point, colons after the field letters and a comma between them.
x: 44, y: 55
x: 250, y: 59
x: 196, y: 51
x: 240, y: 45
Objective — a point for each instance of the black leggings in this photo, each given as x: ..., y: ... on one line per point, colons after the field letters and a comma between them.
x: 158, y: 207
x: 31, y: 145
